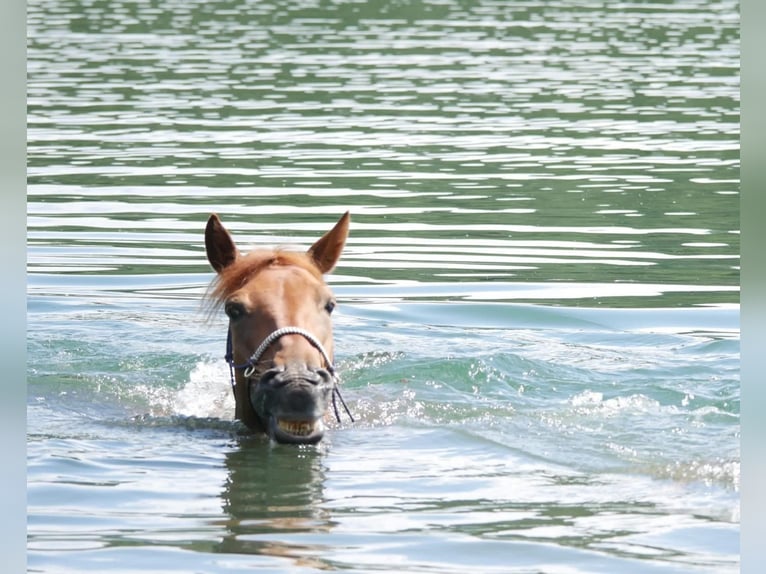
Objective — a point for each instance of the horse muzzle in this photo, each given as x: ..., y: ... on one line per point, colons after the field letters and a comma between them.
x: 292, y: 402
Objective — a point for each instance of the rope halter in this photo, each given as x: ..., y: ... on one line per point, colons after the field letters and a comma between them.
x: 250, y: 367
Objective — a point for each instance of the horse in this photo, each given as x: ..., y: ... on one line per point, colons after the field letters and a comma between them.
x: 279, y: 342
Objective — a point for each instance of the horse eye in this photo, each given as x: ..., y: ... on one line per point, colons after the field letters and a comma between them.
x: 234, y: 310
x: 330, y: 306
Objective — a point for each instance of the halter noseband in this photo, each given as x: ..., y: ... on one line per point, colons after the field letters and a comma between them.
x: 250, y: 368
x: 268, y: 341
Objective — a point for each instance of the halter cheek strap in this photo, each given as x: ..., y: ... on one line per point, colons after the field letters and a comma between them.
x: 250, y: 366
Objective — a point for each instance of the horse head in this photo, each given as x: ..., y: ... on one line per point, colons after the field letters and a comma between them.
x: 280, y: 343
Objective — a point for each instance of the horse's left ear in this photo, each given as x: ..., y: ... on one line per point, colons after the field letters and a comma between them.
x: 219, y: 246
x: 326, y: 251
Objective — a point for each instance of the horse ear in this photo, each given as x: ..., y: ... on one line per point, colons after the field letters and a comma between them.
x: 326, y: 251
x: 219, y: 246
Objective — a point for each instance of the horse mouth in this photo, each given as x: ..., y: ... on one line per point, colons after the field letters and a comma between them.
x: 296, y: 431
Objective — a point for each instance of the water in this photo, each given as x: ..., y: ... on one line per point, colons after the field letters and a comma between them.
x: 538, y: 328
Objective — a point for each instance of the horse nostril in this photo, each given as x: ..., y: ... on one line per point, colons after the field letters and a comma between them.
x: 271, y: 377
x: 323, y: 376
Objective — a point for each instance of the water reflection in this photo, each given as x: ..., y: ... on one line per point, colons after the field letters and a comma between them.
x: 272, y: 494
x: 596, y: 126
x: 571, y: 153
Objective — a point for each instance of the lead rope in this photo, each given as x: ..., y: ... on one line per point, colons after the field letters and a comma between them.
x: 250, y: 365
x: 336, y: 393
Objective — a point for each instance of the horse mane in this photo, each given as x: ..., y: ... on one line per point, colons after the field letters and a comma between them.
x: 236, y: 275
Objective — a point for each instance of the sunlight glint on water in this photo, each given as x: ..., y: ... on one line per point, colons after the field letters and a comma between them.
x: 538, y: 325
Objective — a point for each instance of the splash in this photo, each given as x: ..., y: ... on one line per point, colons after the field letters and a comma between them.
x: 207, y: 394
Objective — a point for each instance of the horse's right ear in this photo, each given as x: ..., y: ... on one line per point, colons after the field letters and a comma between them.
x: 219, y: 246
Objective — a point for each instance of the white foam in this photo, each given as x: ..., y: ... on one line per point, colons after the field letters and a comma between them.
x: 208, y: 393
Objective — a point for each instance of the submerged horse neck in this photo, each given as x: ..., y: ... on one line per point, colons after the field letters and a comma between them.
x: 282, y: 292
